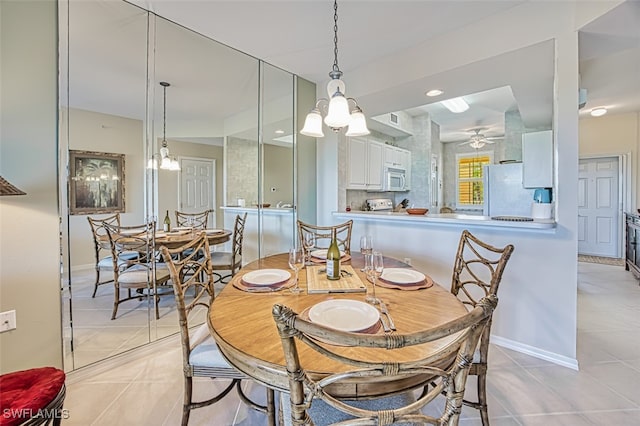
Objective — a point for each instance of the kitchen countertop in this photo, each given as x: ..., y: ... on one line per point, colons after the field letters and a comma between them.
x: 448, y: 219
x: 254, y: 209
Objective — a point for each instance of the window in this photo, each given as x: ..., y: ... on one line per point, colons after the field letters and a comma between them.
x: 470, y: 179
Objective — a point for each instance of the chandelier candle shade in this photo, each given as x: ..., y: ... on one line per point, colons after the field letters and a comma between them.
x: 338, y: 114
x: 166, y: 162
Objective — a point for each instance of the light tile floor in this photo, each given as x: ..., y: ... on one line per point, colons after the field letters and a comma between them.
x: 144, y: 386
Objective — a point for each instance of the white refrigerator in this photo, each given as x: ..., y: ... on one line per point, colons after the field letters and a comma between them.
x: 504, y: 194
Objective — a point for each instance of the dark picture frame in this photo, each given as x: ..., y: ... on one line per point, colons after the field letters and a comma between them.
x: 96, y: 182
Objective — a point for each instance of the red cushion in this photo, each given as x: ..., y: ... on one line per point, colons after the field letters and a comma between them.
x: 23, y: 393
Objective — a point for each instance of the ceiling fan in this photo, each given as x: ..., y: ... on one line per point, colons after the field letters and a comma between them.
x: 478, y: 140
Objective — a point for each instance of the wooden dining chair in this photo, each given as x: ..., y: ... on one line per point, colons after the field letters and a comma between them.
x: 101, y: 247
x: 144, y: 274
x: 200, y: 354
x: 195, y: 220
x: 230, y: 260
x: 452, y: 341
x: 323, y: 234
x: 477, y: 273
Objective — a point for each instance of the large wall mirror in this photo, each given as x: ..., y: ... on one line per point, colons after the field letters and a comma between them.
x: 228, y: 121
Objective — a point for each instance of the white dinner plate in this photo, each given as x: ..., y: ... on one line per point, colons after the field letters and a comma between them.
x: 322, y: 254
x: 213, y: 231
x: 182, y: 228
x: 266, y: 276
x: 344, y: 314
x: 402, y: 276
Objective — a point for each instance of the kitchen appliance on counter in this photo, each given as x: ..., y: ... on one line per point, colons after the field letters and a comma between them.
x: 504, y: 194
x: 542, y: 207
x: 379, y: 205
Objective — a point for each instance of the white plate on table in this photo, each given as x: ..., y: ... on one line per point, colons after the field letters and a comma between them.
x: 322, y: 254
x: 402, y: 276
x: 182, y: 228
x: 213, y: 231
x: 266, y: 277
x: 344, y: 314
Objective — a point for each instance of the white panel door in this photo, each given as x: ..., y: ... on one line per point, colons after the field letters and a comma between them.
x: 598, y: 207
x: 198, y: 186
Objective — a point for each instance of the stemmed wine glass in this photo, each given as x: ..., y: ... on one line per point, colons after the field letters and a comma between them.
x: 309, y: 241
x: 373, y: 266
x: 366, y: 246
x: 296, y: 262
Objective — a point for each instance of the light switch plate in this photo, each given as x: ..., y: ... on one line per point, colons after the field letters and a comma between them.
x: 7, y: 321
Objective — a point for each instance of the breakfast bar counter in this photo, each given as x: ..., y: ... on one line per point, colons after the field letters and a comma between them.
x: 449, y: 219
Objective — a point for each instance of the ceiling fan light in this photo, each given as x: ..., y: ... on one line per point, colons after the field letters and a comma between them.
x: 358, y: 124
x: 313, y: 124
x: 476, y: 144
x: 455, y: 105
x: 338, y: 112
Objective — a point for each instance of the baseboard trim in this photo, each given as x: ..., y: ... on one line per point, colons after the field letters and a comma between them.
x: 555, y: 358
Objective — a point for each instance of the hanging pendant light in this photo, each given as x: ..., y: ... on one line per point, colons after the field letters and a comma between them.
x: 166, y: 161
x: 339, y: 114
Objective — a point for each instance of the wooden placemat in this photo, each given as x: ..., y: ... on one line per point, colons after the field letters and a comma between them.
x: 349, y: 282
x: 344, y: 258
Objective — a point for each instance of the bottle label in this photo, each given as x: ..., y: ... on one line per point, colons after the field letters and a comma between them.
x: 333, y: 269
x: 165, y: 227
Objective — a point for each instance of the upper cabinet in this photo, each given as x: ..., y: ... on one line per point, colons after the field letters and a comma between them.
x: 537, y: 159
x: 365, y: 163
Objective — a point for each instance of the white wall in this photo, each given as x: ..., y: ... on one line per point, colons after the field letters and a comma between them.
x: 29, y: 225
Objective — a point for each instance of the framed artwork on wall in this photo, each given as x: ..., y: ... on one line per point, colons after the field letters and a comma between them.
x: 96, y: 182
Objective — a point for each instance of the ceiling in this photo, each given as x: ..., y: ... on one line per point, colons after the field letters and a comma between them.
x: 297, y: 36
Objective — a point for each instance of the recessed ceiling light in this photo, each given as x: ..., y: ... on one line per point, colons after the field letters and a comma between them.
x: 279, y: 132
x: 598, y: 112
x: 455, y: 105
x: 434, y: 92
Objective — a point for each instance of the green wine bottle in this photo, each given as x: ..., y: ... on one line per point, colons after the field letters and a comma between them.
x: 167, y: 223
x: 333, y: 258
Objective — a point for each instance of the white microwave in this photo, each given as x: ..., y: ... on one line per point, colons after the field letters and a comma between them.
x: 394, y: 179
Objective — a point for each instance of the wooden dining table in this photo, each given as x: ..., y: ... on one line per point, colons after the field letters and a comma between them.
x: 242, y: 324
x: 173, y: 240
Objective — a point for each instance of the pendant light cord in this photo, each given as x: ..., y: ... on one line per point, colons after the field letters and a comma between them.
x: 164, y: 113
x: 335, y: 36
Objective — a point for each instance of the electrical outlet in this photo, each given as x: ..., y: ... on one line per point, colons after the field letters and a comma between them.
x: 407, y: 260
x: 7, y: 321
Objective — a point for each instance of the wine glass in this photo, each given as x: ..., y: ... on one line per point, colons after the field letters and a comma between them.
x: 296, y: 262
x: 309, y: 241
x: 373, y: 266
x: 366, y: 246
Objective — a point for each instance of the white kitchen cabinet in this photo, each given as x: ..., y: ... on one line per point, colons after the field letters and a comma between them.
x: 537, y: 159
x: 364, y: 164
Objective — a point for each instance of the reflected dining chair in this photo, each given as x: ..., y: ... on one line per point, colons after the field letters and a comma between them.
x: 195, y: 220
x: 477, y: 273
x: 144, y: 274
x: 454, y: 340
x: 230, y: 261
x: 323, y: 234
x: 200, y: 354
x: 102, y: 248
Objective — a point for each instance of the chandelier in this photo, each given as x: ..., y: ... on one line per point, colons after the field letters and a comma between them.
x: 338, y: 114
x: 166, y: 161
